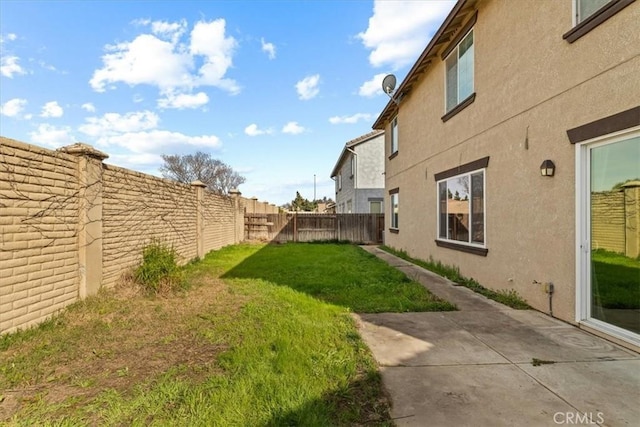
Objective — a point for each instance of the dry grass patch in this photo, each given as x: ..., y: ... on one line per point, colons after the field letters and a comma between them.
x: 114, y: 342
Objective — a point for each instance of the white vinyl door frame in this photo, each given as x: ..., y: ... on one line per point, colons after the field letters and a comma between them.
x: 583, y: 234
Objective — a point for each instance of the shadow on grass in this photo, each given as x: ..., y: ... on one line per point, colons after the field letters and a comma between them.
x: 340, y: 274
x: 363, y: 403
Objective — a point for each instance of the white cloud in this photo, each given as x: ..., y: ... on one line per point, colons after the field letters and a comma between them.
x: 169, y: 30
x: 293, y: 128
x: 145, y: 60
x: 138, y: 134
x: 164, y: 60
x: 158, y: 141
x: 372, y: 87
x: 52, y: 109
x: 253, y: 130
x: 308, y: 87
x: 8, y: 37
x: 9, y: 66
x: 52, y: 136
x: 88, y: 107
x: 350, y: 119
x: 113, y: 123
x: 208, y: 39
x: 399, y: 30
x: 13, y: 107
x: 183, y: 100
x: 269, y: 49
x: 142, y: 162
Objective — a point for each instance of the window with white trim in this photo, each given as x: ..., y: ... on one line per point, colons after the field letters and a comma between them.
x: 394, y: 135
x: 459, y: 73
x: 586, y: 8
x: 461, y: 207
x: 340, y: 181
x: 394, y: 210
x: 353, y: 164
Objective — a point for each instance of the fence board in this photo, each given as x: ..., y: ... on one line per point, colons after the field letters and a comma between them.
x: 309, y: 227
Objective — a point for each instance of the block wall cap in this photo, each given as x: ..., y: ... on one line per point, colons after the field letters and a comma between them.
x: 81, y: 149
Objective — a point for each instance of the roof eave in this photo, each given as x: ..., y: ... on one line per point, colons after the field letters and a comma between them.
x: 423, y: 61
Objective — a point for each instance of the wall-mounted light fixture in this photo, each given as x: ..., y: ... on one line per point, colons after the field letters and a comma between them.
x: 547, y: 168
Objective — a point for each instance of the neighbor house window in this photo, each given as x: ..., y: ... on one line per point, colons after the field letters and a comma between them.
x: 375, y: 207
x: 340, y: 181
x: 394, y: 208
x: 394, y: 135
x: 586, y: 8
x: 353, y: 164
x: 461, y: 207
x: 459, y: 72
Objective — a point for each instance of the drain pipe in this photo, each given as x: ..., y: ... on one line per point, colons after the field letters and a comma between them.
x: 355, y: 180
x: 549, y: 288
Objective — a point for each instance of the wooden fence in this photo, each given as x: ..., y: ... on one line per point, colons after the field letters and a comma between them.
x: 309, y: 227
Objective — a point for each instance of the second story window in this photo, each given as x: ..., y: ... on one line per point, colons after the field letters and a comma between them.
x: 353, y: 164
x: 459, y: 72
x: 394, y: 135
x: 586, y: 8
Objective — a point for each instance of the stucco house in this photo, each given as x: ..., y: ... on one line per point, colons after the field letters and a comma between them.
x: 513, y: 152
x: 359, y: 175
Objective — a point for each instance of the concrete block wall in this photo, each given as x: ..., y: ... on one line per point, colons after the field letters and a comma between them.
x: 38, y: 233
x: 70, y: 224
x: 138, y: 208
x: 608, y: 221
x: 252, y: 205
x: 219, y: 221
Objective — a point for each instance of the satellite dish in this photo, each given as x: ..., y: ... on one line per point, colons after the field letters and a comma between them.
x: 389, y: 84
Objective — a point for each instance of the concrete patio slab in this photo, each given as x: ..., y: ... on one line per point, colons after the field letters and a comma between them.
x: 422, y: 339
x: 520, y: 342
x: 474, y: 367
x: 610, y: 388
x: 486, y: 395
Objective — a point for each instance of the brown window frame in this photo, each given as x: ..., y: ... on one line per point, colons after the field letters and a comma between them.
x: 597, y: 18
x: 482, y: 163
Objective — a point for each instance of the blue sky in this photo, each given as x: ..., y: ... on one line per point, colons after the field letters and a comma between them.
x: 273, y: 88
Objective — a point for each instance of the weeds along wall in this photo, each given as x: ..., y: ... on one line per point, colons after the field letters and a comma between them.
x: 71, y: 224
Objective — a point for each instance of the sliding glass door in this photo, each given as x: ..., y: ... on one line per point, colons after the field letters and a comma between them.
x: 611, y: 235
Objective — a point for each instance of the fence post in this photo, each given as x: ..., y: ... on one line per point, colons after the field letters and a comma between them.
x: 89, y: 216
x: 235, y: 195
x: 199, y: 187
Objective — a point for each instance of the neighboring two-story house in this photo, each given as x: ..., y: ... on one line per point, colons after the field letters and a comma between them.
x: 359, y: 175
x: 513, y: 152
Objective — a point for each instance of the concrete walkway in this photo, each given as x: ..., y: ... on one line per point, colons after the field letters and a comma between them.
x: 474, y: 367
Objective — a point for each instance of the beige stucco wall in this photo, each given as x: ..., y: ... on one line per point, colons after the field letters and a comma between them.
x: 38, y: 239
x: 70, y: 224
x: 531, y: 86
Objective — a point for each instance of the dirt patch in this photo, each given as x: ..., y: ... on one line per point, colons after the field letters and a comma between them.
x: 119, y: 340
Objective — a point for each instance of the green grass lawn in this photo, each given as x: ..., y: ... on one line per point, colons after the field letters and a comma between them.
x: 340, y: 274
x: 271, y: 344
x: 617, y: 280
x: 509, y: 298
